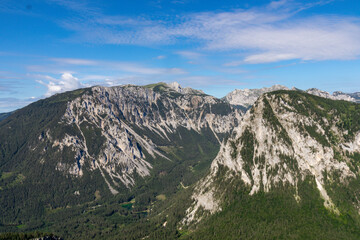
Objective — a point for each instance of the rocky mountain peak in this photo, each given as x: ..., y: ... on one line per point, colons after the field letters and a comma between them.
x: 175, y: 85
x: 285, y: 138
x: 187, y: 90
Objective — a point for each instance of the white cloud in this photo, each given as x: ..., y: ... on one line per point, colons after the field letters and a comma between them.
x: 202, y: 81
x: 176, y: 71
x: 190, y: 54
x: 66, y: 82
x: 49, y: 68
x: 10, y: 103
x: 269, y: 34
x: 277, y: 4
x: 269, y: 57
x: 315, y: 39
x: 128, y: 67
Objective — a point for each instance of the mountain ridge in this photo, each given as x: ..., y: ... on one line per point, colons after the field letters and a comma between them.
x: 247, y: 97
x: 158, y: 161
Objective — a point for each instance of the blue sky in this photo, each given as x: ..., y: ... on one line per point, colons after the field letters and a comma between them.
x: 51, y: 46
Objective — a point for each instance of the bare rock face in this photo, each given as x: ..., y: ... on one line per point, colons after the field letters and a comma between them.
x: 284, y: 138
x: 176, y: 86
x: 335, y: 96
x: 247, y: 97
x: 118, y: 123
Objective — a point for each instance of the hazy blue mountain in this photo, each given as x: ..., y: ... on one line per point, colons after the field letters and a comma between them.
x: 4, y: 115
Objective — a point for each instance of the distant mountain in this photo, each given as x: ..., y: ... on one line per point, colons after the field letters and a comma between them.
x: 355, y: 95
x: 351, y: 97
x: 4, y: 115
x: 247, y: 97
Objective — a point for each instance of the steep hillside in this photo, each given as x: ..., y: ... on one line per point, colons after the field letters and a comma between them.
x: 4, y: 115
x: 289, y: 170
x: 134, y: 145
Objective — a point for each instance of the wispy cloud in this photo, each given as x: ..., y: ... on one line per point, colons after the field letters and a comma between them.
x: 269, y: 34
x: 161, y: 57
x: 277, y: 4
x: 192, y: 55
x: 74, y: 61
x: 127, y: 67
x: 11, y: 83
x: 202, y: 81
x: 8, y: 104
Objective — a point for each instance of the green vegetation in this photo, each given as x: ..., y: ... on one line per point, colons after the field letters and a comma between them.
x: 345, y: 115
x: 94, y: 138
x: 276, y: 215
x: 6, y: 175
x: 26, y: 236
x: 221, y: 108
x: 317, y: 136
x: 270, y: 117
x: 248, y: 144
x: 160, y: 85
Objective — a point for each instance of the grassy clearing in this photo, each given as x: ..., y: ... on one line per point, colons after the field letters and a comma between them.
x: 6, y: 175
x: 161, y: 197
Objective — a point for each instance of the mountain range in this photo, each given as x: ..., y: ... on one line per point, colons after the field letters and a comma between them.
x: 247, y: 97
x: 165, y: 162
